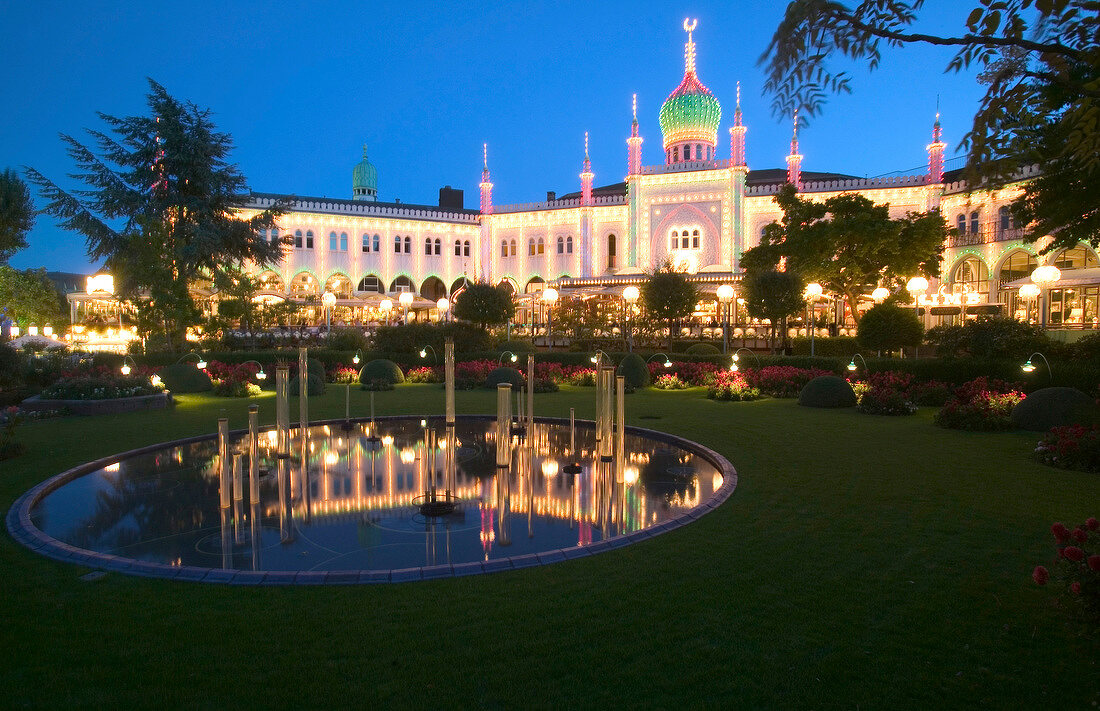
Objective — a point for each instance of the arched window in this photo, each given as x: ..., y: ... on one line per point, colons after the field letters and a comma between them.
x: 298, y: 239
x: 408, y: 244
x: 366, y: 243
x: 1004, y: 218
x: 698, y: 151
x: 960, y: 223
x: 561, y: 245
x: 611, y: 256
x: 542, y: 247
x: 695, y: 239
x: 512, y: 247
x: 569, y: 244
x: 332, y: 241
x: 466, y: 248
x: 675, y: 154
x: 343, y: 241
x: 504, y: 248
x: 375, y: 242
x: 428, y: 246
x: 1019, y: 264
x: 975, y: 223
x: 530, y: 247
x: 458, y: 248
x: 309, y: 239
x: 397, y: 244
x: 438, y: 246
x: 763, y: 230
x: 971, y: 272
x: 1078, y: 257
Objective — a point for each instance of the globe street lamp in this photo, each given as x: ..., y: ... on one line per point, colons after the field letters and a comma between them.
x: 1044, y: 277
x: 406, y: 300
x: 550, y: 297
x: 443, y: 305
x: 812, y: 294
x: 386, y: 306
x: 630, y: 296
x: 725, y: 297
x: 916, y: 286
x: 879, y: 294
x: 1028, y: 292
x: 328, y: 300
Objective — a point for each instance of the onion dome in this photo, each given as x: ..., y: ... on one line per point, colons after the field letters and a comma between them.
x: 690, y: 114
x: 364, y: 180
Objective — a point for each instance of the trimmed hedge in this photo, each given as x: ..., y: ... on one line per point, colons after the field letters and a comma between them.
x: 633, y: 367
x: 382, y: 370
x: 1054, y: 407
x: 316, y: 386
x: 504, y: 374
x: 705, y: 349
x: 517, y: 347
x: 827, y: 391
x: 185, y: 378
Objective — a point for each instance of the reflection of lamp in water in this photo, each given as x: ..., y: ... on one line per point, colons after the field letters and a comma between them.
x: 408, y: 456
x: 273, y: 437
x: 387, y: 440
x: 331, y: 458
x: 630, y: 475
x: 549, y: 468
x: 716, y: 481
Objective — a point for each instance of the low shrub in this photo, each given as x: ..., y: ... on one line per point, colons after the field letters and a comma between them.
x: 633, y: 368
x: 9, y: 419
x: 827, y: 391
x: 989, y: 337
x: 1071, y: 447
x: 702, y: 349
x: 185, y: 378
x: 983, y: 404
x: 730, y: 386
x: 693, y: 373
x: 381, y: 369
x: 236, y: 388
x: 545, y: 385
x: 315, y: 386
x: 582, y: 376
x: 882, y: 401
x: 1054, y: 407
x: 669, y: 381
x: 1075, y: 570
x: 343, y: 374
x: 504, y: 374
x: 423, y: 374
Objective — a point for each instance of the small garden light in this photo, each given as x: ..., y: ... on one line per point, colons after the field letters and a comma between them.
x: 155, y: 380
x: 126, y: 367
x: 357, y: 357
x: 1029, y: 367
x: 598, y: 356
x: 667, y: 363
x: 733, y: 365
x: 424, y: 353
x: 200, y: 363
x: 260, y: 375
x: 852, y: 364
x: 514, y: 357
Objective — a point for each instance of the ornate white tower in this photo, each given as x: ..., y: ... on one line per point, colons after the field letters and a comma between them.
x: 794, y: 160
x: 485, y: 271
x: 586, y: 212
x: 634, y: 143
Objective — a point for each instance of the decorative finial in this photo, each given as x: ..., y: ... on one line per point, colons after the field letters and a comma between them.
x: 794, y: 136
x: 634, y: 107
x: 937, y: 109
x: 485, y: 155
x: 689, y: 50
x: 586, y: 145
x: 364, y: 151
x: 739, y: 96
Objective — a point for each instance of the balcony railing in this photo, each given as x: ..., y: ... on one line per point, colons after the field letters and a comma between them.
x: 989, y: 233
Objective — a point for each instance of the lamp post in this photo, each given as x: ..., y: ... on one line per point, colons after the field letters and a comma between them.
x: 500, y: 360
x: 1029, y: 293
x: 630, y: 296
x: 852, y: 364
x: 1028, y: 367
x: 725, y: 298
x: 550, y: 297
x: 916, y: 286
x: 127, y: 362
x: 200, y: 363
x: 386, y: 306
x: 667, y: 363
x: 598, y: 357
x: 424, y: 353
x: 812, y: 293
x: 444, y: 306
x: 734, y: 367
x: 328, y: 300
x: 879, y: 294
x: 406, y: 300
x: 261, y: 375
x: 1044, y: 277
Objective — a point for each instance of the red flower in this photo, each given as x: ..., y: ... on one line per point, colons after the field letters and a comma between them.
x: 1094, y: 563
x: 1092, y: 523
x: 1073, y: 553
x: 1075, y: 588
x: 1061, y: 533
x: 1040, y: 575
x: 1079, y: 535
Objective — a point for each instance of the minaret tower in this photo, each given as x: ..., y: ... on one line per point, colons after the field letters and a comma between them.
x: 634, y: 152
x: 935, y: 153
x: 739, y: 170
x: 485, y: 271
x: 794, y: 160
x: 586, y: 212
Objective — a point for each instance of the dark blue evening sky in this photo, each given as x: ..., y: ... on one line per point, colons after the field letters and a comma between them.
x: 301, y: 86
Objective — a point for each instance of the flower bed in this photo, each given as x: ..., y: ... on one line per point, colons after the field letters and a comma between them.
x: 983, y: 404
x: 696, y: 374
x: 727, y: 385
x: 343, y: 374
x: 96, y: 387
x: 1073, y: 447
x: 1076, y: 569
x: 423, y: 374
x: 782, y: 380
x: 234, y: 379
x: 669, y: 381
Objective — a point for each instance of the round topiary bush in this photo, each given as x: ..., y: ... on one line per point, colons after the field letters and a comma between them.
x: 702, y: 349
x: 1054, y: 407
x: 316, y: 386
x: 827, y: 391
x: 185, y: 378
x: 634, y: 369
x: 504, y: 374
x: 382, y: 370
x: 316, y: 367
x: 517, y: 347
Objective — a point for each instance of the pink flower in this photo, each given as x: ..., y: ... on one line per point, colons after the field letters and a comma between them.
x: 1079, y: 535
x: 1061, y: 533
x: 1094, y: 563
x: 1040, y: 575
x: 1073, y: 553
x: 1092, y: 523
x: 1075, y: 588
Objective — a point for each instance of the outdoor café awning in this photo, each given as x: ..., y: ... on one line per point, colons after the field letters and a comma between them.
x: 1070, y: 277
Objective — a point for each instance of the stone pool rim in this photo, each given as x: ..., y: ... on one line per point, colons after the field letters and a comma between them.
x: 20, y: 527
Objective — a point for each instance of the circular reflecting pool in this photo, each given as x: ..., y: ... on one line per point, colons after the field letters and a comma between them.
x: 354, y: 502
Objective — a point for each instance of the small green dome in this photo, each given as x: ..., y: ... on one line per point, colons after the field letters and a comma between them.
x: 364, y: 179
x: 691, y: 113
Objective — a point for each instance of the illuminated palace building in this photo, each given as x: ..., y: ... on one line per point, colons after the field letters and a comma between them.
x: 697, y: 209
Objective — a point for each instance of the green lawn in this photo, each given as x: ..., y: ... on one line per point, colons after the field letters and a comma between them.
x: 862, y: 562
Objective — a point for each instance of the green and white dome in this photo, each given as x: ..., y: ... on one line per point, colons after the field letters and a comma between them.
x: 364, y: 180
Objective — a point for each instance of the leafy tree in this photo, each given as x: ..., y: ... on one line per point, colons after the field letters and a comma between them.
x: 158, y: 204
x: 848, y: 244
x: 236, y: 289
x: 667, y: 296
x: 28, y: 296
x: 1040, y: 61
x: 484, y: 304
x: 773, y: 295
x: 578, y: 317
x: 888, y: 327
x: 16, y: 214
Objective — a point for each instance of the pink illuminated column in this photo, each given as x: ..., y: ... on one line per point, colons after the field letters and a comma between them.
x: 935, y: 154
x: 586, y: 212
x: 634, y: 152
x: 485, y: 268
x: 794, y: 160
x: 737, y: 134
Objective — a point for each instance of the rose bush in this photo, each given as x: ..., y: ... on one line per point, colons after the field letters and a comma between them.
x: 983, y: 404
x: 1075, y: 570
x: 726, y: 385
x: 1072, y: 447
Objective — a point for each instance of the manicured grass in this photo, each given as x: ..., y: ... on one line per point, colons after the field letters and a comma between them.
x: 862, y: 562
